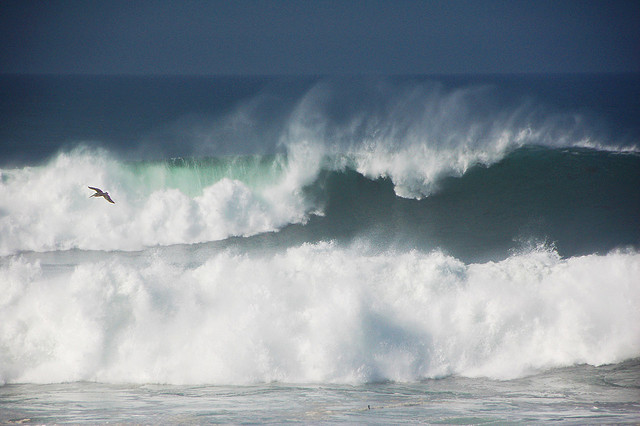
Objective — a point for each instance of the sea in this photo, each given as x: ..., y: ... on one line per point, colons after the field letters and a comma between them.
x: 436, y: 249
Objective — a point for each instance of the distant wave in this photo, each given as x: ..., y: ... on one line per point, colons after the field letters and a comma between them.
x: 415, y: 136
x: 529, y: 193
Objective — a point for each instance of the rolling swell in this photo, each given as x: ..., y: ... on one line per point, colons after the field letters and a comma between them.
x: 579, y: 200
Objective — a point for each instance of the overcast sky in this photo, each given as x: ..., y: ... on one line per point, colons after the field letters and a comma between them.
x: 318, y: 37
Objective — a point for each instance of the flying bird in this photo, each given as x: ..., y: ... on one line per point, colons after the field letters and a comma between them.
x: 99, y: 193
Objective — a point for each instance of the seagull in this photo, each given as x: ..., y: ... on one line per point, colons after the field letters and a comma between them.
x: 99, y: 193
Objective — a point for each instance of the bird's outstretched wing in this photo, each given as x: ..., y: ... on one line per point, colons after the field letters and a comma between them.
x: 106, y: 197
x: 95, y: 189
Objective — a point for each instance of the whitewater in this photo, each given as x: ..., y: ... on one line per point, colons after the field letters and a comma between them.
x: 408, y: 246
x: 314, y: 313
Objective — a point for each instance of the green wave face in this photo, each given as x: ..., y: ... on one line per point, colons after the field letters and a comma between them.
x: 192, y: 175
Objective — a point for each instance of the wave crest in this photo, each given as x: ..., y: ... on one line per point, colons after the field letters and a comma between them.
x: 418, y: 133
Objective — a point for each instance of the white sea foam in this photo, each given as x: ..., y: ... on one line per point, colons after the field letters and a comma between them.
x: 48, y: 207
x: 313, y: 313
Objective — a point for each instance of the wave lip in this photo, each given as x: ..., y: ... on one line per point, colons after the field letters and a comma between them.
x: 416, y: 134
x: 315, y: 313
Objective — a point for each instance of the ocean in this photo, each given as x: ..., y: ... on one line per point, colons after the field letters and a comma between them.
x: 371, y: 249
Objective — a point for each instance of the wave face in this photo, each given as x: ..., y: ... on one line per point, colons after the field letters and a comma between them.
x: 581, y: 200
x: 316, y: 230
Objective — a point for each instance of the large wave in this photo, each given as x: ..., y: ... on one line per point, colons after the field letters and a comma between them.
x: 313, y: 313
x: 584, y: 200
x: 413, y: 134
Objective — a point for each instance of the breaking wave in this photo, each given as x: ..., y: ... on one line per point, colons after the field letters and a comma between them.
x: 315, y: 313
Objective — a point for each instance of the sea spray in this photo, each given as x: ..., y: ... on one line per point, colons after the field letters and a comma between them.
x: 418, y: 133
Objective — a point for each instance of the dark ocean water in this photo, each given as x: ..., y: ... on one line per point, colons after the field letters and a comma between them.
x: 418, y: 244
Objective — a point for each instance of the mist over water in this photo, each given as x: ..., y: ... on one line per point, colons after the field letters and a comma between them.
x: 325, y: 231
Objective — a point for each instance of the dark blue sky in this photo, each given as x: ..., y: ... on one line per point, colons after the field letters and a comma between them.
x: 318, y: 37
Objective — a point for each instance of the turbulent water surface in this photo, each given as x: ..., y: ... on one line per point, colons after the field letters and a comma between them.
x: 457, y: 250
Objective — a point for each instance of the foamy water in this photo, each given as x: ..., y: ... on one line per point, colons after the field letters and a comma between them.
x: 315, y: 313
